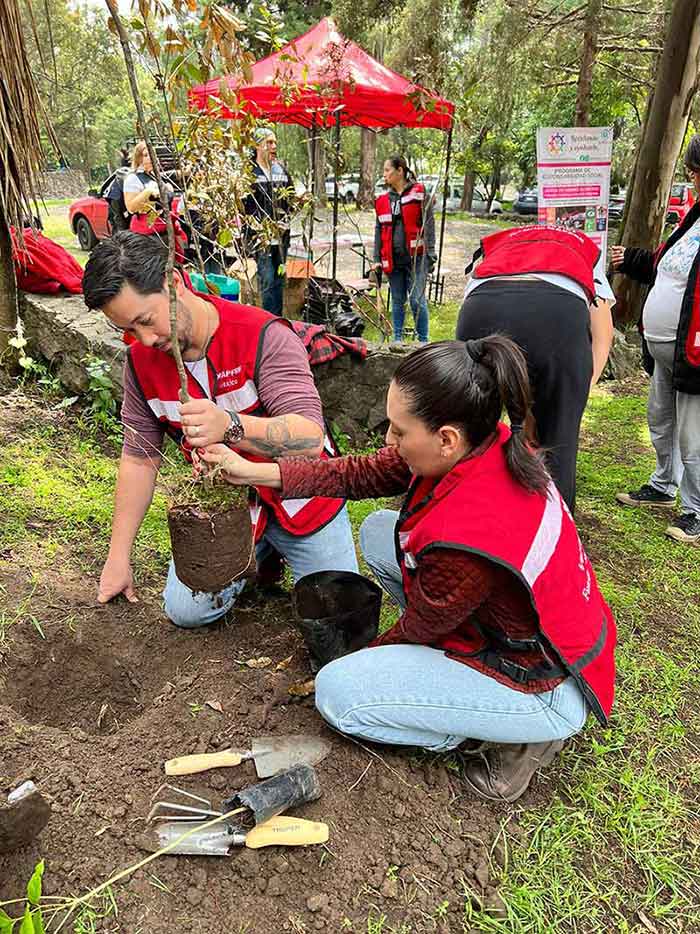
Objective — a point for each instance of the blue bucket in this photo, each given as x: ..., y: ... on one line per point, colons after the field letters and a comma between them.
x: 223, y: 286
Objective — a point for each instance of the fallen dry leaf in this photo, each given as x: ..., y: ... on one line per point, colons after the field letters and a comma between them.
x: 649, y: 925
x: 302, y: 688
x: 280, y: 666
x: 261, y: 662
x: 215, y: 705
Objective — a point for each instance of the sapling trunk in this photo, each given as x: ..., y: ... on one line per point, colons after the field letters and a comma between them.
x: 143, y: 131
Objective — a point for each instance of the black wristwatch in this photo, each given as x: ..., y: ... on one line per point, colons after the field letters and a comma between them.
x: 235, y: 431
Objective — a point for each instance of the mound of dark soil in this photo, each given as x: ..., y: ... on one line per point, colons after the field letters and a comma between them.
x: 91, y: 712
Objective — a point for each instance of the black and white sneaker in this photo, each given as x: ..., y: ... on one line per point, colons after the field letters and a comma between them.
x: 686, y: 528
x: 646, y: 495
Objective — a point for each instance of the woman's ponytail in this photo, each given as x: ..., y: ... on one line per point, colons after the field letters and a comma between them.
x: 507, y: 363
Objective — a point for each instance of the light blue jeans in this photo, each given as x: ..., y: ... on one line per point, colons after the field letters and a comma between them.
x: 674, y: 426
x: 329, y: 549
x: 414, y: 695
x: 409, y: 282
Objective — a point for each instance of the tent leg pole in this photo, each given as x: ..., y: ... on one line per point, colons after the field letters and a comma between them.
x: 444, y: 216
x: 335, y: 194
x: 312, y: 138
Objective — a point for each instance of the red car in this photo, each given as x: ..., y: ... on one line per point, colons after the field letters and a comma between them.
x: 681, y: 201
x: 89, y: 216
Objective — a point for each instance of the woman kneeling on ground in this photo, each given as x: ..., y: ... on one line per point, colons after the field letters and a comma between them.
x: 504, y: 636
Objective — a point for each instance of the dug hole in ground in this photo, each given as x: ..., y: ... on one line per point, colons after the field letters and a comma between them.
x: 96, y: 698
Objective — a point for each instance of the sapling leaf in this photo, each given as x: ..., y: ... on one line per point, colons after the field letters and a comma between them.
x: 6, y: 923
x: 27, y: 925
x: 34, y: 884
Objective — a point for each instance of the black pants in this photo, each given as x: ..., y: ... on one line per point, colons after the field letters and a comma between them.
x: 552, y: 326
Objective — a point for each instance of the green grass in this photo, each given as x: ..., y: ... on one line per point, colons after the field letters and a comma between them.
x: 56, y: 491
x: 614, y: 844
x: 616, y: 848
x: 54, y: 217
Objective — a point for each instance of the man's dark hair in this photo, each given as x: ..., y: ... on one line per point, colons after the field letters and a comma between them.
x: 692, y: 155
x: 125, y: 258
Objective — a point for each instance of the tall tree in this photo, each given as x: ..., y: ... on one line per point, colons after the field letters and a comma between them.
x: 589, y: 50
x: 21, y: 155
x: 664, y: 128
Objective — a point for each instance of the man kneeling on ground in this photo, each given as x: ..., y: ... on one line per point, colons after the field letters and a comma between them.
x: 250, y: 386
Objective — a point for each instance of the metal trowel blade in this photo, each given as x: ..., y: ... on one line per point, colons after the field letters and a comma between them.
x: 273, y: 754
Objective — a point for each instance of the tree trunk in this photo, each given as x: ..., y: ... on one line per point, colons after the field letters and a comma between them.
x: 368, y: 159
x: 676, y: 83
x: 318, y: 160
x: 589, y: 50
x: 468, y: 191
x: 86, y: 150
x: 8, y: 286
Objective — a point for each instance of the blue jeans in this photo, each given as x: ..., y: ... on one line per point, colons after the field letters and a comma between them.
x: 271, y: 282
x: 329, y: 549
x: 409, y: 282
x: 414, y: 695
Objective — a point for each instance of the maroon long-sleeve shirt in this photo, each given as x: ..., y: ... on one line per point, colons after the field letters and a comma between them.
x: 452, y: 592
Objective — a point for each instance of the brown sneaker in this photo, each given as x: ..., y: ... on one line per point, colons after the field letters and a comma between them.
x: 505, y: 771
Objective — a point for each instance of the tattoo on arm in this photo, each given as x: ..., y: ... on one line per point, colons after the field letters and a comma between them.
x: 279, y: 442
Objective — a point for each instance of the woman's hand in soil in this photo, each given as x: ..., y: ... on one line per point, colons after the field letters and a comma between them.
x: 116, y: 578
x: 203, y: 422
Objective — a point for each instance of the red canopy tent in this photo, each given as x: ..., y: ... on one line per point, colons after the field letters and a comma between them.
x: 320, y: 74
x: 322, y: 79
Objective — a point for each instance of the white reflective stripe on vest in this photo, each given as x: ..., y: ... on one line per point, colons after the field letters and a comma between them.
x: 169, y: 410
x: 412, y: 196
x: 293, y: 506
x: 414, y: 244
x: 384, y: 218
x: 328, y: 445
x: 239, y: 400
x: 403, y: 539
x: 546, y: 537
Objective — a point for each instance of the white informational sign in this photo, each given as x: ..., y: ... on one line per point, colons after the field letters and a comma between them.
x: 573, y: 181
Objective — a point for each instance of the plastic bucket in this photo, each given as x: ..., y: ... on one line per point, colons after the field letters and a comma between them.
x: 337, y: 613
x: 224, y: 286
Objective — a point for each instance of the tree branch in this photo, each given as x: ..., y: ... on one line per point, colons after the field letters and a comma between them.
x: 143, y: 129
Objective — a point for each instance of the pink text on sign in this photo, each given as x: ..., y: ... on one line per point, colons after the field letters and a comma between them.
x: 571, y: 191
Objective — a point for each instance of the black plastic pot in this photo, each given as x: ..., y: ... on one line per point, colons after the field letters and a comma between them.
x: 337, y: 613
x: 276, y: 795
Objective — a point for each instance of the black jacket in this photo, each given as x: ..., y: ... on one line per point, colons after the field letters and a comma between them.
x: 641, y: 265
x: 268, y: 199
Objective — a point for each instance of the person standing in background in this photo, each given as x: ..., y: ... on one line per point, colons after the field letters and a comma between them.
x: 671, y: 325
x: 404, y: 244
x: 269, y: 202
x: 542, y: 287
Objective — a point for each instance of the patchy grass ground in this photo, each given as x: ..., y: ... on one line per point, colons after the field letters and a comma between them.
x: 54, y: 217
x: 607, y: 840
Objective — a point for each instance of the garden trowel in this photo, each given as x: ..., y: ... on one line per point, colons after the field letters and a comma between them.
x: 271, y: 754
x: 217, y: 840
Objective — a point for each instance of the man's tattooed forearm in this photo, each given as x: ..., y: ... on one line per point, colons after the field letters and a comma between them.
x: 279, y: 442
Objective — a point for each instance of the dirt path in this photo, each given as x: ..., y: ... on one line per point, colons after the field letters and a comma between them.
x: 461, y: 239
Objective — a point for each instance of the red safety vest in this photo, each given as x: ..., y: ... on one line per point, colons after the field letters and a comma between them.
x: 412, y: 212
x: 232, y: 373
x: 478, y: 507
x: 522, y: 250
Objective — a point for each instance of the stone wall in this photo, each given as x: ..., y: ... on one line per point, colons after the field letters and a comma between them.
x: 63, y: 183
x: 64, y: 332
